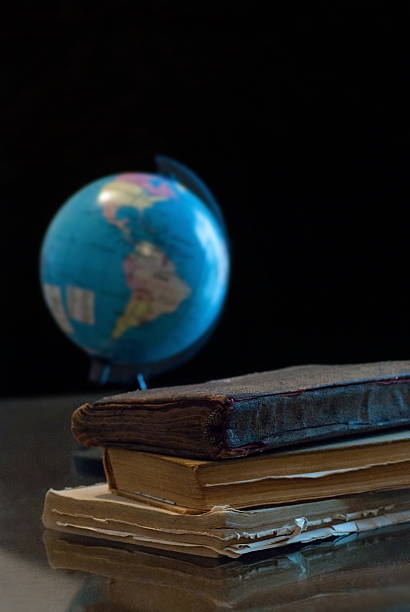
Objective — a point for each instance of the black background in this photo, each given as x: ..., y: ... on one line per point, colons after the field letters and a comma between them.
x: 298, y: 122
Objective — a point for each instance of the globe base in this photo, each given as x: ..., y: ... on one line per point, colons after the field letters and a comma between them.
x: 104, y: 373
x: 88, y: 462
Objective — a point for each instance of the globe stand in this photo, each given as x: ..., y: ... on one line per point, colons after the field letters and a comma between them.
x: 105, y: 372
x: 88, y: 461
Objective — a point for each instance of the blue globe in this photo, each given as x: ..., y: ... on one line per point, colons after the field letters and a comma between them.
x: 134, y: 269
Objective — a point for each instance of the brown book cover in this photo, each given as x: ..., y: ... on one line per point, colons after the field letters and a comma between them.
x: 368, y: 463
x: 93, y: 511
x: 235, y: 417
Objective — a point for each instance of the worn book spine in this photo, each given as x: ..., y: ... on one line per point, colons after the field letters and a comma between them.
x: 129, y: 473
x: 227, y: 427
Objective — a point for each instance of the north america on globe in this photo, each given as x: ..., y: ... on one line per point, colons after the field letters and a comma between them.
x: 131, y: 190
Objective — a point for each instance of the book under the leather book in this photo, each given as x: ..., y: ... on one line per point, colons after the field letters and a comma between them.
x: 369, y: 463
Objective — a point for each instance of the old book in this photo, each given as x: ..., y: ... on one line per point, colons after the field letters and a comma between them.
x: 141, y: 579
x: 235, y: 417
x: 223, y: 531
x: 369, y: 463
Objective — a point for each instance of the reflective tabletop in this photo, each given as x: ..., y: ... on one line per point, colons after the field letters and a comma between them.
x: 47, y: 571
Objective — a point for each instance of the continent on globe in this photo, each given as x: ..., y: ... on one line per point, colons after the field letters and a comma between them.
x: 155, y: 287
x: 135, y: 190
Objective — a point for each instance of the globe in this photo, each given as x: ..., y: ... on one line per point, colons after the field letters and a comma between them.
x: 134, y: 269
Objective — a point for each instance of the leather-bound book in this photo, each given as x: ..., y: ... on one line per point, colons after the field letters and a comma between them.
x: 235, y: 417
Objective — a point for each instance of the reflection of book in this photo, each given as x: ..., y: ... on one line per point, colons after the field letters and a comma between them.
x: 222, y: 531
x: 238, y: 416
x: 367, y: 463
x: 348, y: 571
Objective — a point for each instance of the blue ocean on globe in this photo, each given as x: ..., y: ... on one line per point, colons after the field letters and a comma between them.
x: 134, y: 268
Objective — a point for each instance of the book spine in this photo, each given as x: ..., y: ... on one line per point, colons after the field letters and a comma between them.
x: 109, y: 472
x: 267, y: 422
x: 179, y: 428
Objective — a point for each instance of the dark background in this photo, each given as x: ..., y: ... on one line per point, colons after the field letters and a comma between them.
x: 297, y: 122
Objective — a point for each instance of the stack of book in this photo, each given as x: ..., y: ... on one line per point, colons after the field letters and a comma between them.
x: 245, y: 464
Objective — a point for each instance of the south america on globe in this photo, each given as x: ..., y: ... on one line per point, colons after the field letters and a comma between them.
x: 134, y: 269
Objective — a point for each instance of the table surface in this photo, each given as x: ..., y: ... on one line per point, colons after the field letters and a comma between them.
x: 366, y: 572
